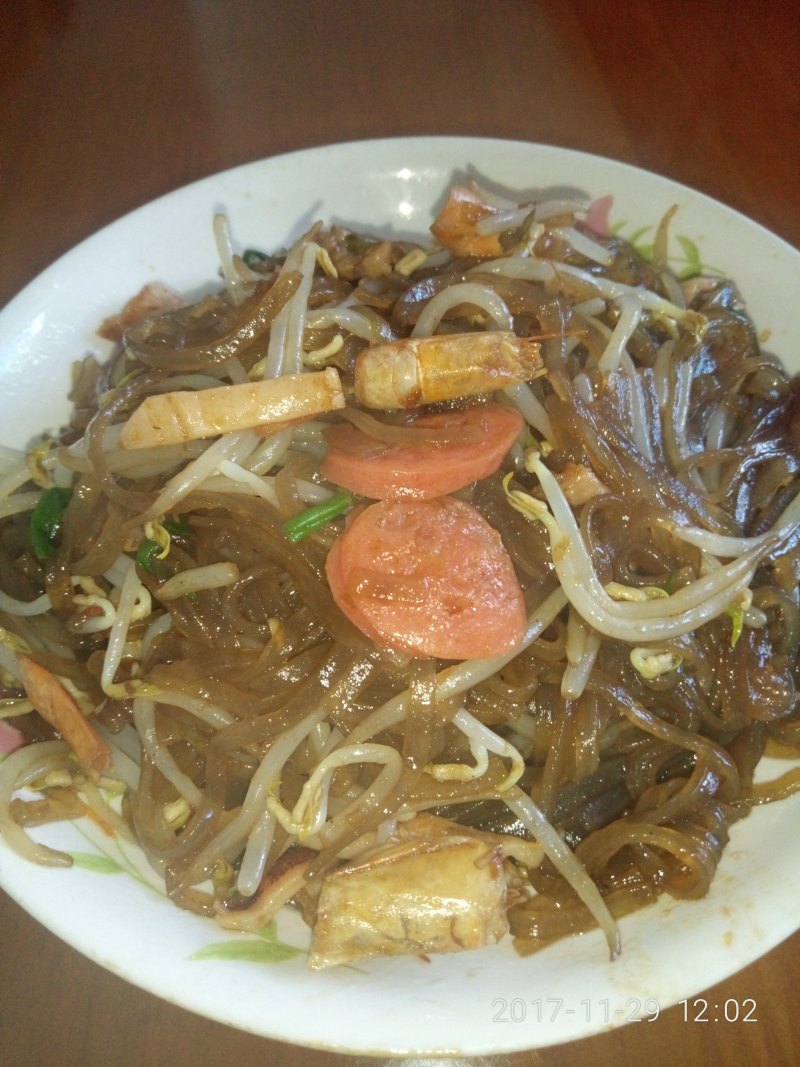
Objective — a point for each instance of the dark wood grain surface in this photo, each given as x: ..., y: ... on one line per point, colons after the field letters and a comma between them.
x: 105, y: 105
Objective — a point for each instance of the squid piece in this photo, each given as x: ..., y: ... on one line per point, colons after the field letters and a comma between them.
x: 439, y: 888
x: 172, y: 418
x: 426, y: 370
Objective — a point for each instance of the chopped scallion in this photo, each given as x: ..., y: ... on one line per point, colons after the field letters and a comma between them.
x: 314, y: 518
x: 177, y: 529
x: 736, y: 613
x: 46, y: 520
x: 252, y: 257
x: 148, y: 555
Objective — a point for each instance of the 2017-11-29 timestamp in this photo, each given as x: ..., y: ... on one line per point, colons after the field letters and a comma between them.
x: 730, y: 1010
x: 634, y: 1009
x: 551, y: 1009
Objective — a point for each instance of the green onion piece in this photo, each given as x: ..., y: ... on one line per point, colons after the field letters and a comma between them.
x: 147, y: 556
x: 736, y: 613
x: 314, y: 518
x: 252, y: 257
x: 177, y: 529
x: 46, y: 520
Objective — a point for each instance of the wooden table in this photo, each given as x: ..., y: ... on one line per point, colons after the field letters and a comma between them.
x: 107, y: 105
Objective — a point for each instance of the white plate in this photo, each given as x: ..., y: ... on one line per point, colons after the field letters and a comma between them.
x: 473, y: 1003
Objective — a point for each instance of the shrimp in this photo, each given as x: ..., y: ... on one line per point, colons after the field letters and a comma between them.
x: 455, y: 225
x: 60, y: 709
x: 172, y: 418
x: 153, y: 299
x: 424, y: 370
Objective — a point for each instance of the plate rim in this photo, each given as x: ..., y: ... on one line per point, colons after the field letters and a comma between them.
x: 396, y: 144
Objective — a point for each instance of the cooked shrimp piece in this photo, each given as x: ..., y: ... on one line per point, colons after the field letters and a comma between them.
x: 172, y: 418
x: 59, y: 708
x: 443, y: 890
x: 152, y: 299
x: 426, y: 370
x: 455, y: 225
x: 428, y: 577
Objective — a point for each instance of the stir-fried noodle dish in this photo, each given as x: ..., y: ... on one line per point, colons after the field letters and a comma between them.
x: 441, y: 591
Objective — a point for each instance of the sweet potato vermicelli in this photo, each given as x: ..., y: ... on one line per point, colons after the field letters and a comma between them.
x: 482, y: 554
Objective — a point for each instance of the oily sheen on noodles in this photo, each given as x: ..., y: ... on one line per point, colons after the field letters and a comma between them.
x: 283, y: 606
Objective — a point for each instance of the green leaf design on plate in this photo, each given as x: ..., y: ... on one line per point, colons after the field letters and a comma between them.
x: 690, y: 260
x: 257, y: 951
x: 90, y: 861
x: 102, y: 861
x: 691, y: 251
x: 637, y: 235
x: 267, y: 949
x: 269, y: 932
x: 645, y: 250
